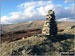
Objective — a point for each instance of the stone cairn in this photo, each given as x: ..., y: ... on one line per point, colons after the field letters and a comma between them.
x: 50, y: 26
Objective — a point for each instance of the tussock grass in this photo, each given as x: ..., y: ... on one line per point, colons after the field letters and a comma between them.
x: 40, y: 45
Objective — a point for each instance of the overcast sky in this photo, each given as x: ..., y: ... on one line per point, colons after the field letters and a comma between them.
x: 24, y: 11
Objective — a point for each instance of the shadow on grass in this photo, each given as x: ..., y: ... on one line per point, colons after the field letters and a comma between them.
x: 60, y: 37
x: 53, y: 39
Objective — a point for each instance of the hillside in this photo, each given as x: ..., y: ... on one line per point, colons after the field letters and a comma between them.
x: 17, y: 35
x: 23, y: 26
x: 26, y: 39
x: 17, y: 31
x: 31, y: 25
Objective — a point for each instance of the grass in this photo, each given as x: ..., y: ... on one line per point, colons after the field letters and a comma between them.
x: 40, y: 45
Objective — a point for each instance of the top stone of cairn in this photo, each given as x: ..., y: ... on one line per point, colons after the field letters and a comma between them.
x: 50, y: 12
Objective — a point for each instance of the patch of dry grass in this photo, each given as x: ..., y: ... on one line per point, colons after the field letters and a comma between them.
x: 69, y: 31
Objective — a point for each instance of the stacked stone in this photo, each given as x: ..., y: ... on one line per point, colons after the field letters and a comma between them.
x: 50, y: 26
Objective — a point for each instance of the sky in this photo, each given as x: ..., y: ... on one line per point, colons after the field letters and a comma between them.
x: 33, y: 10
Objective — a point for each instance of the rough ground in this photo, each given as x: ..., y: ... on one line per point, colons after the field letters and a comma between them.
x: 39, y: 45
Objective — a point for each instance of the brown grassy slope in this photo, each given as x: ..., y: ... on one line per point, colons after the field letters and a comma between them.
x: 19, y: 30
x: 17, y: 35
x: 65, y: 24
x: 32, y: 25
x: 26, y: 26
x: 37, y: 25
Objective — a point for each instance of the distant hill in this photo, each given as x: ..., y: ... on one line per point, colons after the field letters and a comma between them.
x: 3, y: 28
x: 23, y: 26
x: 31, y: 25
